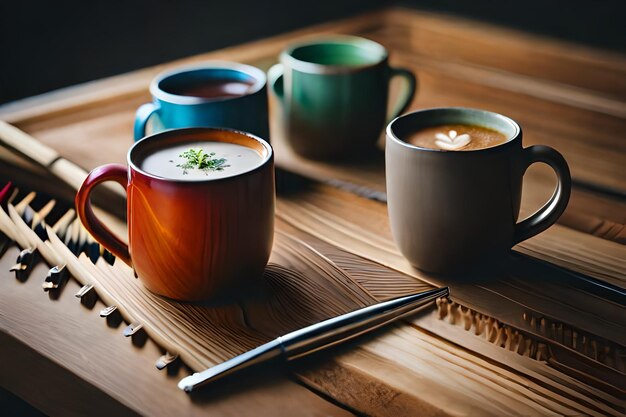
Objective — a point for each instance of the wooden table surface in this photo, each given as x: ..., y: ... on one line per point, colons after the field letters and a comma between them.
x: 64, y: 360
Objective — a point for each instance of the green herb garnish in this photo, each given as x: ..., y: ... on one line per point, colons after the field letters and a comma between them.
x: 198, y: 159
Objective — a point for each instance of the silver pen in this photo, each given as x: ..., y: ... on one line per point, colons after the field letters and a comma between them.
x: 317, y: 336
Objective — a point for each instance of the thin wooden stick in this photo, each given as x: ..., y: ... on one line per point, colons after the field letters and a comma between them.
x: 30, y: 148
x: 27, y: 146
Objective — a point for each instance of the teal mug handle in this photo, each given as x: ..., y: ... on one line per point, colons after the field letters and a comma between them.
x: 141, y: 119
x: 406, y: 96
x: 275, y: 79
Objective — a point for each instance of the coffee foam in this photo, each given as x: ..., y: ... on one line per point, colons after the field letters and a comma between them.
x: 456, y: 137
x: 451, y: 141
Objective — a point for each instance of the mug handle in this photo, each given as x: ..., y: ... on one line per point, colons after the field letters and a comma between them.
x: 141, y: 119
x: 109, y: 172
x: 404, y: 101
x: 275, y: 78
x: 552, y: 210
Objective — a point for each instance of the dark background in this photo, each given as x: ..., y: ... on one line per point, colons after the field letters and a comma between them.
x: 51, y: 44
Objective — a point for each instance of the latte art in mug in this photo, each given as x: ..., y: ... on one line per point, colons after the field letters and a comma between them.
x: 457, y: 137
x: 196, y: 161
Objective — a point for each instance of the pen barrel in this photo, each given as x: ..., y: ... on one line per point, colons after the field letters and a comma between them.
x: 317, y: 336
x: 266, y: 352
x: 348, y: 326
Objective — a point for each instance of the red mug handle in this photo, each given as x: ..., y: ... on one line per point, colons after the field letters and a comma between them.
x: 109, y: 172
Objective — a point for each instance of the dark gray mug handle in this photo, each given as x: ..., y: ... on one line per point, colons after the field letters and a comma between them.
x: 552, y: 210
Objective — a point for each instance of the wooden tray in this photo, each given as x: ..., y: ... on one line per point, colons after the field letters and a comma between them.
x: 309, y: 280
x: 446, y: 362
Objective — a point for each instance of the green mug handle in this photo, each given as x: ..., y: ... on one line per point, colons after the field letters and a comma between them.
x: 404, y: 101
x: 276, y: 72
x: 275, y: 78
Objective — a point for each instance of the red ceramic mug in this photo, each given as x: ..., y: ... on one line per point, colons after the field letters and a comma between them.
x: 190, y: 239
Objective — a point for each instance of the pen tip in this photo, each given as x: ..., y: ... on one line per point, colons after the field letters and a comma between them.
x: 184, y: 384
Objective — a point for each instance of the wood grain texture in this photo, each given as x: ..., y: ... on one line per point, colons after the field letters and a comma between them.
x: 508, y: 299
x: 483, y: 45
x: 302, y: 280
x: 566, y: 96
x: 92, y: 369
x: 439, y: 360
x: 360, y: 226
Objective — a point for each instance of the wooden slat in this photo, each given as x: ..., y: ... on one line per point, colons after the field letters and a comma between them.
x: 589, y: 141
x: 463, y: 41
x: 422, y: 372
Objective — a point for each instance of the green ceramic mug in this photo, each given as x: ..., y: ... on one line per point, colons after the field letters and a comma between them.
x: 333, y: 93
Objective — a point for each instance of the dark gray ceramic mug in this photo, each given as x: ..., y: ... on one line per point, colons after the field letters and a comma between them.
x: 451, y: 211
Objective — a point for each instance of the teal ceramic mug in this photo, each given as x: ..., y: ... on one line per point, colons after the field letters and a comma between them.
x: 212, y: 94
x: 334, y: 95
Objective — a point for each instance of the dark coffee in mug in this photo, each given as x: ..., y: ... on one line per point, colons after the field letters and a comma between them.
x: 457, y: 137
x: 213, y: 88
x: 213, y: 93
